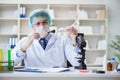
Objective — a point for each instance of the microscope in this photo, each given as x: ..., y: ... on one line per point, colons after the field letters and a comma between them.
x: 81, y: 54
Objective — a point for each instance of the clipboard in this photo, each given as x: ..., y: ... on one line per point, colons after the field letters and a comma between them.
x: 43, y: 70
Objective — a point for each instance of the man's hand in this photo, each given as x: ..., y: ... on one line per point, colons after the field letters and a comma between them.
x: 29, y: 41
x: 72, y: 33
x: 33, y: 36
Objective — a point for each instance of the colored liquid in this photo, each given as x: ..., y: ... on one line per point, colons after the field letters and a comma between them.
x: 109, y: 66
x: 9, y: 60
x: 5, y: 67
x: 1, y: 58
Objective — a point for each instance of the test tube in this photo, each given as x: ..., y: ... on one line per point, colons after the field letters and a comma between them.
x: 9, y: 60
x: 1, y: 56
x: 1, y: 59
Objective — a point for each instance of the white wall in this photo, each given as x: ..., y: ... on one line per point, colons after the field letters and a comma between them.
x: 113, y: 21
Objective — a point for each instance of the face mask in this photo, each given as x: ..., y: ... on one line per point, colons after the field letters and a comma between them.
x: 43, y: 31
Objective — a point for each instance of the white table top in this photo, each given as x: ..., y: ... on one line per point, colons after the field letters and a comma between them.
x: 74, y: 73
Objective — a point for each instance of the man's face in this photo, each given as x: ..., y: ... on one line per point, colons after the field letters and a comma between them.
x: 40, y: 26
x: 39, y: 22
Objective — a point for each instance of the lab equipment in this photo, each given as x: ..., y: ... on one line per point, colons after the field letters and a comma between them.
x: 114, y: 63
x: 12, y: 42
x: 1, y: 56
x: 5, y: 67
x: 81, y: 44
x: 51, y: 13
x: 109, y: 66
x: 100, y: 72
x: 82, y: 14
x: 9, y: 60
x: 85, y: 29
x: 22, y: 11
x: 6, y: 64
x: 81, y: 54
x: 102, y: 44
x: 118, y: 68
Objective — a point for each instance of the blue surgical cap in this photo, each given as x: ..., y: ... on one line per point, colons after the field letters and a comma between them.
x: 39, y: 13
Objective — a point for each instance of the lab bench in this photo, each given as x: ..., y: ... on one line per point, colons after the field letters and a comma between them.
x: 69, y: 75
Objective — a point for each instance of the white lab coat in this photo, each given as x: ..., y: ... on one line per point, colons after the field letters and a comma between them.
x: 57, y: 51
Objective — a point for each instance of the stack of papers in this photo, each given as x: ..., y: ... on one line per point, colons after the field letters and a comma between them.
x: 39, y: 70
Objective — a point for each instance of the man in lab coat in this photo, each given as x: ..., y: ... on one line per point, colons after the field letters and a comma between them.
x: 44, y: 49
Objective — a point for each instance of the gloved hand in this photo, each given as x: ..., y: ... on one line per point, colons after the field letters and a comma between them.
x: 29, y: 41
x: 72, y: 33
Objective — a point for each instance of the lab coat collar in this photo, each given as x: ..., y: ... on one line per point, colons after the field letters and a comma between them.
x: 50, y: 43
x: 47, y: 37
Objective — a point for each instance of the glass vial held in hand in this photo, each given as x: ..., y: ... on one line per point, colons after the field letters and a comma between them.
x: 72, y: 28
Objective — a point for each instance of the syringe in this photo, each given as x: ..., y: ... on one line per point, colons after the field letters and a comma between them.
x: 76, y: 23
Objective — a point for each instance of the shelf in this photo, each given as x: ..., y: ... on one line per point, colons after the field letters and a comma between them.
x: 94, y: 35
x: 63, y: 5
x: 23, y: 18
x: 56, y: 19
x: 94, y: 65
x: 33, y: 3
x: 90, y: 4
x: 14, y: 19
x: 30, y: 7
x: 4, y: 34
x: 64, y: 19
x: 95, y: 50
x: 8, y: 11
x: 92, y: 19
x: 9, y: 1
x: 24, y: 34
x: 5, y: 3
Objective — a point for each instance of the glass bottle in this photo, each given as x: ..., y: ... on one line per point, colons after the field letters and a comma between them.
x: 109, y: 66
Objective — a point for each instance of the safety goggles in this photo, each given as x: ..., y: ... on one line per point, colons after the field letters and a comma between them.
x: 41, y: 22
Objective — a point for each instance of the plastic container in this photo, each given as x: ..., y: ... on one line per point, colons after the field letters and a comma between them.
x: 114, y: 63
